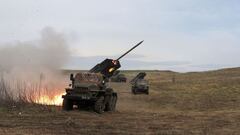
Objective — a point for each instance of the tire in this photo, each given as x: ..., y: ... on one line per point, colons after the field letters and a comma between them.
x: 109, y: 104
x: 99, y: 105
x: 67, y: 105
x: 114, y: 102
x: 134, y: 91
x: 147, y: 92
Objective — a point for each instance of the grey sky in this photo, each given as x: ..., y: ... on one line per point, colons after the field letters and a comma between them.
x: 199, y: 34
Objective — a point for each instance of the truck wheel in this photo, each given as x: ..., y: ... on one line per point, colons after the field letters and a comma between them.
x: 67, y: 105
x: 134, y: 91
x: 114, y: 102
x: 109, y: 104
x: 99, y: 105
x: 147, y: 92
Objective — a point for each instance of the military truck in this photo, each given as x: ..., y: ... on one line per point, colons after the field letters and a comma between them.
x: 118, y: 77
x: 89, y: 89
x: 139, y: 84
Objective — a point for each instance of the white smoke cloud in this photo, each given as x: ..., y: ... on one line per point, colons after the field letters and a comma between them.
x: 36, y: 63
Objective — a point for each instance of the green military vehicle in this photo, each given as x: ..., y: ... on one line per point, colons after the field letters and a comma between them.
x: 118, y: 77
x: 139, y: 84
x: 89, y: 89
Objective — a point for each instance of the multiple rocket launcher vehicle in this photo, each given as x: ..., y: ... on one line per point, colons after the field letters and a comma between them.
x: 89, y: 90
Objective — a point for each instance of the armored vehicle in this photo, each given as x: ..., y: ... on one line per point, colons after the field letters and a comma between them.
x: 118, y: 77
x: 139, y: 84
x: 89, y: 89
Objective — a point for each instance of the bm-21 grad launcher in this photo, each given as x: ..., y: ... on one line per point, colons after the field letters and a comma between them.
x: 88, y: 90
x: 109, y: 66
x: 118, y: 77
x: 139, y: 84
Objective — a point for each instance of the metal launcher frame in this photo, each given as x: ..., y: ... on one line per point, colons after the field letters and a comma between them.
x: 109, y: 66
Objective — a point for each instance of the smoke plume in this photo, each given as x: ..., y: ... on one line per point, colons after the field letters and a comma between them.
x: 35, y: 65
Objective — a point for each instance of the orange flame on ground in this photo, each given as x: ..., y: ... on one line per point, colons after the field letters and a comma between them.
x: 51, y: 100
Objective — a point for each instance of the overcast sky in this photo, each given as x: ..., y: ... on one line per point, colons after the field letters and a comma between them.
x: 180, y: 35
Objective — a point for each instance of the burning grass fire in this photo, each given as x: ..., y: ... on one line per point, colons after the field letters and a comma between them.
x: 15, y: 93
x: 49, y: 95
x: 50, y: 100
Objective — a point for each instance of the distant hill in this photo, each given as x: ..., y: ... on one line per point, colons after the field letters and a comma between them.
x: 224, y: 70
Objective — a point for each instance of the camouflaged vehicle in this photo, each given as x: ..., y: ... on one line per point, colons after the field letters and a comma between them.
x: 118, y: 77
x: 139, y: 84
x: 89, y: 89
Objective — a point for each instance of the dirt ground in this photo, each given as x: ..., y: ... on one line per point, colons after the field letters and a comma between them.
x: 120, y: 122
x: 194, y: 103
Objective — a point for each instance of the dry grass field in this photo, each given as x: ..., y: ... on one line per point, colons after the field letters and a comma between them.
x: 202, y: 103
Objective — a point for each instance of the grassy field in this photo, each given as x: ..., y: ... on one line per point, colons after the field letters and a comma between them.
x: 179, y: 103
